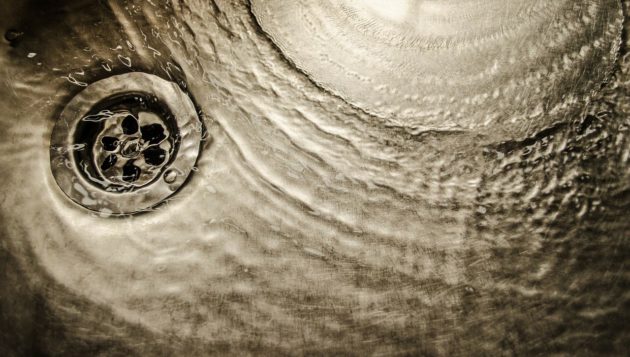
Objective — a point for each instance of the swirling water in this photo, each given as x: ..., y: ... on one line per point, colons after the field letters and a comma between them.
x: 309, y: 225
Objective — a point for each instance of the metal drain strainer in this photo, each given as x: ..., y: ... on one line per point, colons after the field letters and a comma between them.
x: 125, y: 143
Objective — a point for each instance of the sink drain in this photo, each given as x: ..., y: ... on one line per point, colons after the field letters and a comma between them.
x: 125, y: 143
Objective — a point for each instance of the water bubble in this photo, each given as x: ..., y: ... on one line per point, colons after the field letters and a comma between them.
x: 170, y: 176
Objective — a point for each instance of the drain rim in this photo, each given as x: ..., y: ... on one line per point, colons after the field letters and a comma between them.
x: 71, y: 179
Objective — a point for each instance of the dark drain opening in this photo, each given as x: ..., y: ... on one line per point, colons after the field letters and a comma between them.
x: 130, y: 125
x: 109, y: 162
x: 153, y: 133
x: 130, y: 172
x: 109, y: 143
x: 154, y: 156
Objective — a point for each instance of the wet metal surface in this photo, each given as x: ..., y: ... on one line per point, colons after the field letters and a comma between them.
x: 425, y: 178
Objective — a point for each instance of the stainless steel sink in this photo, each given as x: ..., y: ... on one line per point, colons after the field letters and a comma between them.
x: 314, y: 178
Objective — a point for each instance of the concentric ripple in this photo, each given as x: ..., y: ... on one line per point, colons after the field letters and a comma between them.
x: 510, y: 66
x: 308, y: 226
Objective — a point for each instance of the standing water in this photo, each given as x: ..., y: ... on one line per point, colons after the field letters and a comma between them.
x: 348, y: 177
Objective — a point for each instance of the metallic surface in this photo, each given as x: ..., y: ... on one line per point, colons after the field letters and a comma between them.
x: 309, y: 225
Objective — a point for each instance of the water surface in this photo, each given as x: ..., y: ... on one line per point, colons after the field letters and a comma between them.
x: 309, y: 226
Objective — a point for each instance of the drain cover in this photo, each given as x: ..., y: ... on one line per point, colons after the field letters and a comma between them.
x: 125, y: 143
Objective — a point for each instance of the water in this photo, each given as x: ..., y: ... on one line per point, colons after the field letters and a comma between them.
x: 510, y: 66
x: 308, y: 225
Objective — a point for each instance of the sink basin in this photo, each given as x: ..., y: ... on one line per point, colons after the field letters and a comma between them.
x: 323, y: 178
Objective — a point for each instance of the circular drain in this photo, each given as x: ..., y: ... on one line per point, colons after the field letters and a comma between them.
x: 125, y: 143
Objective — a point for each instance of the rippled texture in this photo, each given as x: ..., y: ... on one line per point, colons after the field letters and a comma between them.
x: 310, y: 226
x: 509, y: 66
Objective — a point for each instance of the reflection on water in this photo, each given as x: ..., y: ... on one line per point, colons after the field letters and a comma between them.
x: 307, y: 225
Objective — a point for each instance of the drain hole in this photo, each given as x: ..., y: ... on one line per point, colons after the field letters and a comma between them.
x: 109, y: 143
x: 129, y: 125
x: 127, y: 142
x: 130, y: 172
x: 154, y: 156
x: 153, y: 134
x: 109, y: 162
